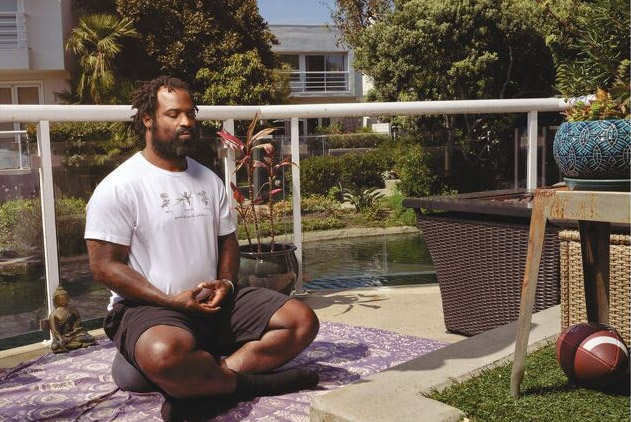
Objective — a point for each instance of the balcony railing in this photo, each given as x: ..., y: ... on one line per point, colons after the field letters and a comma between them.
x: 43, y: 114
x: 12, y: 31
x: 311, y: 82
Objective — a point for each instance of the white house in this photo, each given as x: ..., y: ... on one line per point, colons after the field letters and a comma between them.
x: 33, y: 63
x: 322, y: 70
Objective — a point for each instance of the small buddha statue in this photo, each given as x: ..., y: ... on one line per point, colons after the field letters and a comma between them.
x: 65, y: 325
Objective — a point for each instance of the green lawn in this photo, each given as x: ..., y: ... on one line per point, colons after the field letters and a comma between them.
x: 546, y: 396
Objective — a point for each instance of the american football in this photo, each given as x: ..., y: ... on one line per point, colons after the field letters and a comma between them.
x: 593, y: 355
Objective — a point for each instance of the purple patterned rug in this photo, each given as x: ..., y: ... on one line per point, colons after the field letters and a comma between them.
x: 77, y: 386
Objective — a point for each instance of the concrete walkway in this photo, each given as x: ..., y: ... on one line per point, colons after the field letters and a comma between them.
x: 411, y: 310
x: 398, y: 394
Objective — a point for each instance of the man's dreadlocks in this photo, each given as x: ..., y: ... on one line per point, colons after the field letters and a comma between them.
x: 145, y: 98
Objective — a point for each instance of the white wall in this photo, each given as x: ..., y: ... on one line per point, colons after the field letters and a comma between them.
x: 48, y: 24
x: 45, y: 33
x: 305, y: 38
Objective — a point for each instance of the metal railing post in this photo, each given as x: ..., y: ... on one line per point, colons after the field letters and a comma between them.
x: 531, y: 163
x: 516, y: 158
x: 295, y: 193
x: 229, y: 164
x: 47, y: 195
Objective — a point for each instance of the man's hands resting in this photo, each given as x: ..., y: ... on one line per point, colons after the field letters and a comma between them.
x: 206, y: 298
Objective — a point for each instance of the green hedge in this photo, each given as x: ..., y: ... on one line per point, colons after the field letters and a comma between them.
x: 309, y: 204
x: 355, y: 172
x: 362, y: 171
x: 280, y: 228
x: 21, y: 226
x: 413, y: 167
x: 319, y: 174
x: 357, y: 140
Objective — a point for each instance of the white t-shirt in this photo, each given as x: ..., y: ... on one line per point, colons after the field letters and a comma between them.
x: 170, y: 221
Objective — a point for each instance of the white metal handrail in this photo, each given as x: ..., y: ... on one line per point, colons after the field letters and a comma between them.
x: 121, y: 113
x: 43, y: 114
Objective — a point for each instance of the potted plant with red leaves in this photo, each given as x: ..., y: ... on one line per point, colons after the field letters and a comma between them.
x: 263, y: 264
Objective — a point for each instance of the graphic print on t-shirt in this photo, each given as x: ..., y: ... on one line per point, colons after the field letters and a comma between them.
x: 185, y: 200
x: 185, y: 204
x: 203, y: 196
x: 165, y: 200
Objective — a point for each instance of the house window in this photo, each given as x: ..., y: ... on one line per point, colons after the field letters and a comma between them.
x: 326, y: 72
x: 12, y: 28
x: 14, y: 152
x: 293, y: 60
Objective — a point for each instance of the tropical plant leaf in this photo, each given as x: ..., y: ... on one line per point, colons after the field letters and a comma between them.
x: 269, y: 148
x: 230, y: 140
x: 262, y: 133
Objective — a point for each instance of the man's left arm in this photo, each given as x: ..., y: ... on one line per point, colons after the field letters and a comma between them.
x: 228, y: 266
x: 227, y: 269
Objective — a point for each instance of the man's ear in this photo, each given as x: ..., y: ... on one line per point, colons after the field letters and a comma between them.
x: 147, y: 121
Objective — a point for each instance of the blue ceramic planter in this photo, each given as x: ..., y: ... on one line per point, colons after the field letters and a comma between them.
x: 596, y: 149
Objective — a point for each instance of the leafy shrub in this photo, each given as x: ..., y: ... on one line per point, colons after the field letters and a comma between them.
x: 21, y: 226
x: 335, y: 128
x: 318, y: 203
x: 364, y: 200
x: 319, y: 174
x: 357, y: 140
x: 311, y: 224
x: 336, y: 193
x: 412, y: 167
x: 355, y: 172
x: 309, y: 204
x: 328, y: 223
x: 362, y: 171
x: 400, y: 216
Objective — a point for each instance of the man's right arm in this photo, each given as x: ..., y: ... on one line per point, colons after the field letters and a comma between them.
x: 108, y: 263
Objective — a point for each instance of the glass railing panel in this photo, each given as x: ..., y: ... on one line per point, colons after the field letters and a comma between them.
x: 22, y: 268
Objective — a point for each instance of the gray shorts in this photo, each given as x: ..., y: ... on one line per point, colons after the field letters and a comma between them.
x: 241, y: 320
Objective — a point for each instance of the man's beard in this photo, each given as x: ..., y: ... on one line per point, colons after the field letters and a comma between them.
x: 171, y: 147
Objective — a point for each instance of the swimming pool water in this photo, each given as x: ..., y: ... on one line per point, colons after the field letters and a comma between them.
x: 367, y: 261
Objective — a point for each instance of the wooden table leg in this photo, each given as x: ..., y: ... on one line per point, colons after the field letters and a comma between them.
x: 595, y: 253
x: 536, y: 235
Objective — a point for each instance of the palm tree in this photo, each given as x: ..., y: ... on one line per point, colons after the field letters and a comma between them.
x: 96, y: 41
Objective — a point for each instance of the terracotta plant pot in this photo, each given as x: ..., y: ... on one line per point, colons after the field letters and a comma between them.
x: 596, y: 149
x: 276, y: 270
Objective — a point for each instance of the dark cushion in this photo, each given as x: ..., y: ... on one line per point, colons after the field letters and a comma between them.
x: 128, y: 378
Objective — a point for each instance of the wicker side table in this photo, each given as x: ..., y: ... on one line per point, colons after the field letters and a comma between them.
x: 478, y: 244
x: 480, y: 265
x: 573, y: 308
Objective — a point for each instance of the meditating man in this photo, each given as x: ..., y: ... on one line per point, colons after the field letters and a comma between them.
x: 160, y: 236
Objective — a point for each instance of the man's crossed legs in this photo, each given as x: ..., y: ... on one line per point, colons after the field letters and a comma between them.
x: 177, y: 358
